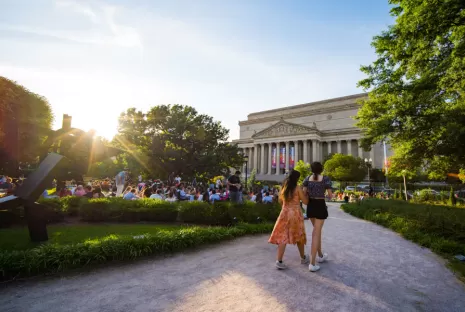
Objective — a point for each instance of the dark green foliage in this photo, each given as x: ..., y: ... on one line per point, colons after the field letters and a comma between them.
x: 177, y: 139
x: 452, y: 199
x: 150, y: 210
x: 345, y: 168
x: 440, y: 228
x: 417, y: 84
x: 58, y: 258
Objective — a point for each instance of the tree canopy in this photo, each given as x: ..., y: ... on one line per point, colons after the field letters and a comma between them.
x: 176, y: 138
x: 345, y: 168
x: 29, y: 113
x: 416, y: 85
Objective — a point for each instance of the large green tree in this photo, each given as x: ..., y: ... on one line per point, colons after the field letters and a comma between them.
x: 176, y: 138
x: 29, y: 113
x: 416, y: 85
x: 345, y: 168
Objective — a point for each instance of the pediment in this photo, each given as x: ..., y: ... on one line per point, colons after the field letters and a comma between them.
x: 284, y: 128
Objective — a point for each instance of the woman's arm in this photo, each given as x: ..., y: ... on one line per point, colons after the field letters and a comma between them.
x: 302, y: 195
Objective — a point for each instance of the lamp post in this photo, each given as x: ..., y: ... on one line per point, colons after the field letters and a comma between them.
x: 246, y: 160
x: 368, y: 164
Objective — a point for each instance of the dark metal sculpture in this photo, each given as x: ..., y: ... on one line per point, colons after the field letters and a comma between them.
x: 66, y: 154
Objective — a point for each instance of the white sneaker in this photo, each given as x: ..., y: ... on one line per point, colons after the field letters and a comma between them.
x: 280, y: 265
x: 322, y: 259
x: 305, y: 260
x: 313, y: 268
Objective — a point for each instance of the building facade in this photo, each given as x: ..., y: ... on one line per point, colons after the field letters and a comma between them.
x: 275, y: 140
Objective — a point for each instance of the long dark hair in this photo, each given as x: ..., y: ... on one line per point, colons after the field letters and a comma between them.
x: 290, y: 184
x: 317, y: 169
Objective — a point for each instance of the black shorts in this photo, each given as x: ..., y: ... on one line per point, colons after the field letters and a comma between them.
x: 317, y: 209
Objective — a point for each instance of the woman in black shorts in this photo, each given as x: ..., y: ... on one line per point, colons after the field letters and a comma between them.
x: 315, y: 186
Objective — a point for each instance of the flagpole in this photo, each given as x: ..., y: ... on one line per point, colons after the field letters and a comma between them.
x: 385, y: 164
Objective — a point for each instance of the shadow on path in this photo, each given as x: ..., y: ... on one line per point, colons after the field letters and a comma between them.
x: 370, y: 269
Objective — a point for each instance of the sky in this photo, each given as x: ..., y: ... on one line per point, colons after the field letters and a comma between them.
x: 94, y: 59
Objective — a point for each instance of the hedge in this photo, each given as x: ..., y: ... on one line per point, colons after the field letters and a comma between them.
x: 48, y: 259
x: 440, y: 228
x: 150, y: 210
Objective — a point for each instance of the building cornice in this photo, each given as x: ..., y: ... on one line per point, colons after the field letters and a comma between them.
x: 338, y: 99
x: 320, y: 111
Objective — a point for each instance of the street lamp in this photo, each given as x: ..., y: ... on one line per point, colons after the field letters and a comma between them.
x: 368, y: 164
x: 246, y: 160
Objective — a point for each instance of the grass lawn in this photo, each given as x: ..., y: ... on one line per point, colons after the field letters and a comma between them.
x: 18, y: 238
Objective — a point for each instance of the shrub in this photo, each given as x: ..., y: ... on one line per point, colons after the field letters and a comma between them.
x: 113, y: 209
x: 57, y: 258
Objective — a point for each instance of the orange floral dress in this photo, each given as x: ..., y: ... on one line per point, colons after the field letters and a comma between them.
x: 290, y: 227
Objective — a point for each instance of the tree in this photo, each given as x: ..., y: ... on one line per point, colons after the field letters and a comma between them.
x: 304, y: 169
x: 26, y: 113
x: 416, y: 85
x: 345, y: 168
x: 402, y: 166
x: 461, y: 175
x: 176, y: 138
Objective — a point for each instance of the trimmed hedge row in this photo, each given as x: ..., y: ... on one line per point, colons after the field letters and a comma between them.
x: 150, y: 210
x: 58, y: 258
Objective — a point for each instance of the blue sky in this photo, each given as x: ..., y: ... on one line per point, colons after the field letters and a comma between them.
x: 228, y: 58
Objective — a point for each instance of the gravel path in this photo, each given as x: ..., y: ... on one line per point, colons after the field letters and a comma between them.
x: 370, y: 269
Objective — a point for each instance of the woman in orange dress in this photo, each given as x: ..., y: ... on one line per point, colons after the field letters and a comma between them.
x: 290, y: 227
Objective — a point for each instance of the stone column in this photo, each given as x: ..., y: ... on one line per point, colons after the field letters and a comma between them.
x: 255, y: 157
x: 296, y: 149
x: 262, y: 159
x: 360, y: 150
x: 349, y: 147
x: 339, y: 147
x: 320, y: 151
x: 329, y: 147
x: 287, y: 155
x: 278, y: 150
x: 314, y: 150
x: 270, y: 157
x: 305, y: 159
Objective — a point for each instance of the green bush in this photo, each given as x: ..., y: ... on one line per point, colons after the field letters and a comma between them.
x: 58, y: 258
x: 113, y: 209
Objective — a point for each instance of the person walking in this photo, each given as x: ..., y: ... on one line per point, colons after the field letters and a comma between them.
x: 290, y: 227
x: 120, y: 181
x: 234, y: 183
x: 315, y: 186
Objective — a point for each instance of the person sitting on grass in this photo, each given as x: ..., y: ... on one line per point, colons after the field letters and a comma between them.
x: 80, y: 191
x: 157, y: 195
x: 131, y: 195
x: 171, y: 196
x: 89, y: 193
x: 268, y: 199
x: 214, y: 197
x: 97, y: 193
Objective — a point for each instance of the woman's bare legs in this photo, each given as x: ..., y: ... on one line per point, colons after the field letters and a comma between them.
x: 316, y: 239
x: 320, y: 253
x: 301, y: 248
x: 281, y: 249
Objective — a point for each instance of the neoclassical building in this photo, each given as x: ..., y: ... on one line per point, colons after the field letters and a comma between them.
x: 274, y: 140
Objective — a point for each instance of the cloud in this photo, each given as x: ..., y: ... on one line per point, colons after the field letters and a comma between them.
x: 105, y: 30
x: 79, y: 7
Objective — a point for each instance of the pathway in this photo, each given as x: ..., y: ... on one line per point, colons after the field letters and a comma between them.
x: 370, y: 269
